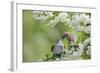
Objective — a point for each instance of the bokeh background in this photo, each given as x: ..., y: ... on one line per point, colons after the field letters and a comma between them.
x: 40, y: 35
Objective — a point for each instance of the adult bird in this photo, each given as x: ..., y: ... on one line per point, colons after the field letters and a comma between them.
x: 69, y: 37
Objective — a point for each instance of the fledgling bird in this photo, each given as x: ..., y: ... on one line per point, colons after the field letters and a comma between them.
x: 58, y: 49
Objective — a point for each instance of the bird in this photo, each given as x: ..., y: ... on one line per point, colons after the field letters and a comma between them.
x: 69, y: 37
x: 57, y: 49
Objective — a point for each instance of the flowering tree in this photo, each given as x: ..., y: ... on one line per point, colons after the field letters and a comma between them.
x: 80, y: 23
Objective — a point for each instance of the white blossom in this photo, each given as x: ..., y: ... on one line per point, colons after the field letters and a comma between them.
x: 79, y: 22
x: 87, y: 29
x: 52, y: 23
x: 42, y: 15
x: 81, y: 46
x: 85, y: 19
x: 80, y: 51
x: 49, y: 13
x: 88, y: 50
x: 41, y: 18
x: 62, y: 16
x: 69, y: 52
x: 76, y: 17
x: 75, y: 53
x: 72, y: 49
x: 74, y: 22
x: 67, y: 22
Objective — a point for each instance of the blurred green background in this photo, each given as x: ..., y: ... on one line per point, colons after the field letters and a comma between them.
x: 38, y: 37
